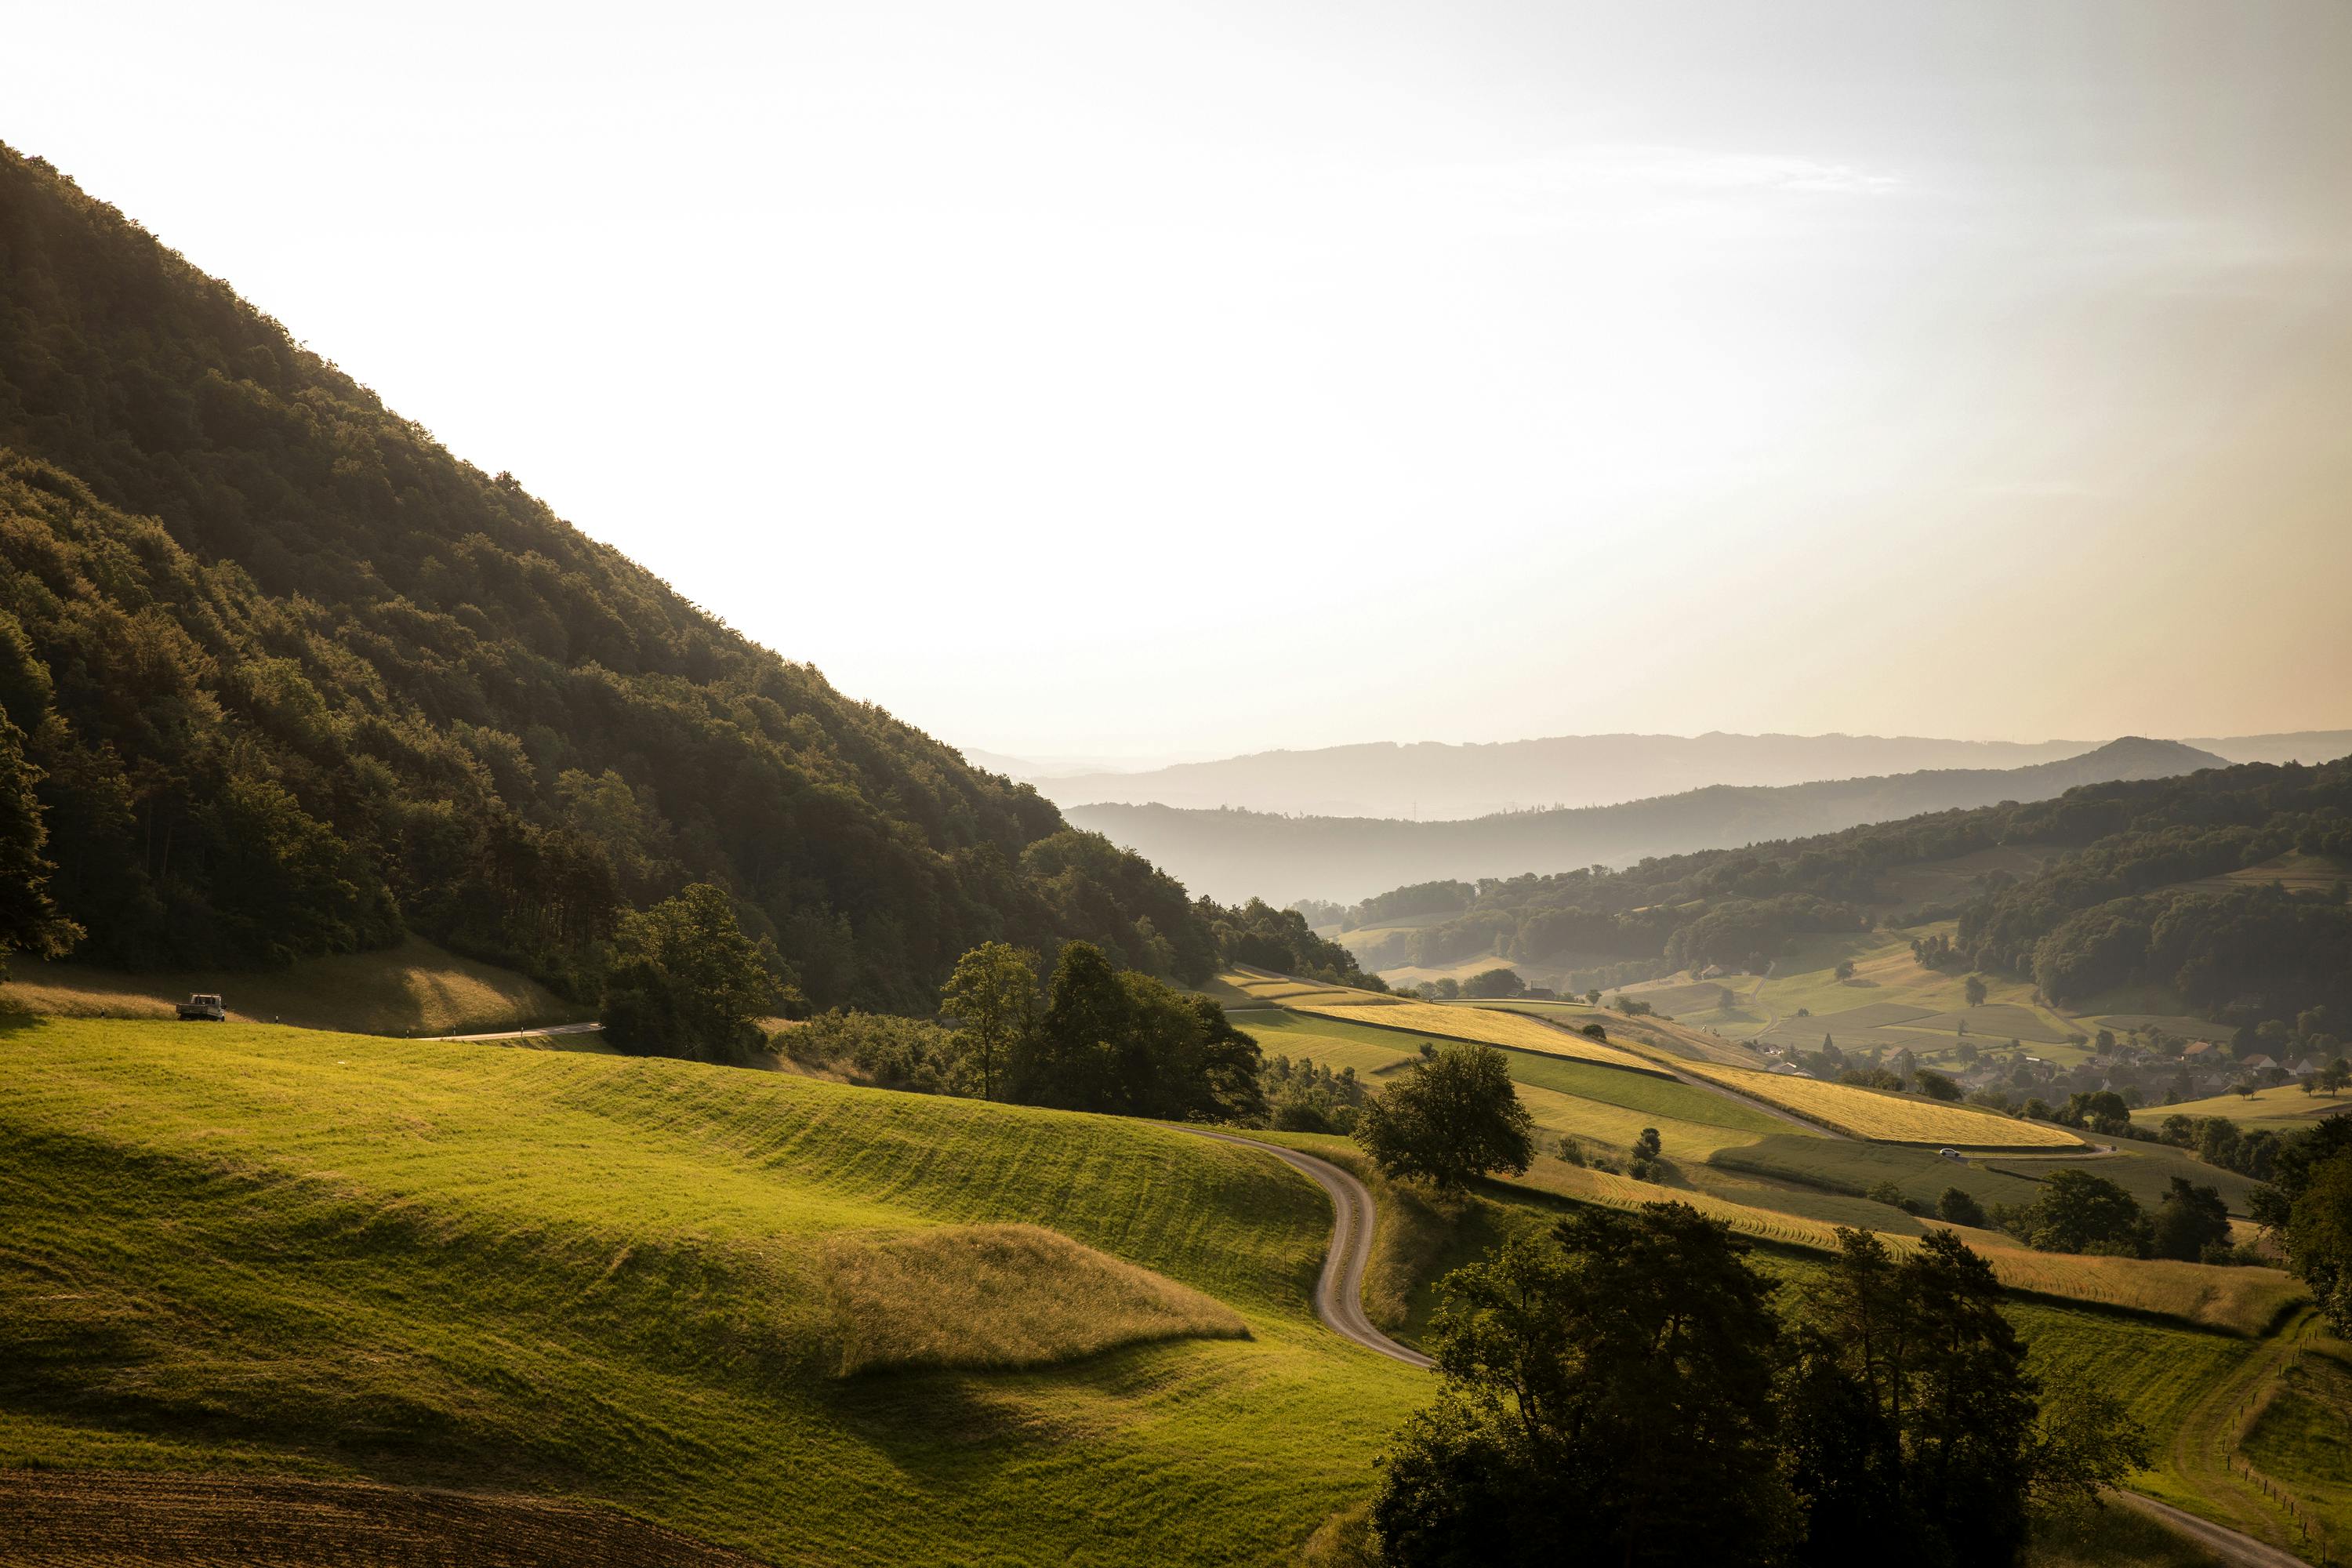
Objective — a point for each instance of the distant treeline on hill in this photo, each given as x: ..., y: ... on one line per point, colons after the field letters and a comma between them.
x: 280, y: 677
x: 1231, y: 854
x: 2109, y: 910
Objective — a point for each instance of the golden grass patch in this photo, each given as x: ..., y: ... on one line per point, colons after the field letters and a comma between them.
x: 1003, y: 1296
x: 1485, y: 1026
x: 1884, y: 1118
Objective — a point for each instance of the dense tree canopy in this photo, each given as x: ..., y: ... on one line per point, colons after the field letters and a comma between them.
x: 292, y: 679
x: 1629, y: 1389
x: 2109, y: 906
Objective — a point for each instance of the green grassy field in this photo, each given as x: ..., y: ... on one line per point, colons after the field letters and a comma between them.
x: 2280, y: 1108
x: 245, y: 1249
x: 412, y: 989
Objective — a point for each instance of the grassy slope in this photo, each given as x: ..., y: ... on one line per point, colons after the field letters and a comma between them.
x: 415, y: 988
x: 240, y: 1247
x: 2280, y: 1108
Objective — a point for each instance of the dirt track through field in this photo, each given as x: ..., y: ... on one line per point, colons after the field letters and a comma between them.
x: 56, y: 1518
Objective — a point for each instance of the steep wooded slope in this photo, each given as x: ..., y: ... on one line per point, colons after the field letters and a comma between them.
x: 296, y: 677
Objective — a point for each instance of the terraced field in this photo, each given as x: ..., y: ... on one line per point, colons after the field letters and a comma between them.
x: 1885, y: 1118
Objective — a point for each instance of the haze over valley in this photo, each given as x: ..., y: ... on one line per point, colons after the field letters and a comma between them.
x: 720, y: 843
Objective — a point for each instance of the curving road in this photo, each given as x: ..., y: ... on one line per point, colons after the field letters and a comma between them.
x: 1339, y: 1303
x: 1340, y: 1293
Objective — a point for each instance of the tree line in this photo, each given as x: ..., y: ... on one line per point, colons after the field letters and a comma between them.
x: 2107, y: 908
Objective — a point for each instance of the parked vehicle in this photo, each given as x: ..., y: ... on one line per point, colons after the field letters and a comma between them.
x: 204, y: 1005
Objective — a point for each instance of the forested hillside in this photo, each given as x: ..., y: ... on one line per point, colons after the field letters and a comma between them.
x: 2132, y: 885
x: 285, y: 678
x: 1238, y: 854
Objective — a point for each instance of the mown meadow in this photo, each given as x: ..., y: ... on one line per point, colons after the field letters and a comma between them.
x: 244, y: 1249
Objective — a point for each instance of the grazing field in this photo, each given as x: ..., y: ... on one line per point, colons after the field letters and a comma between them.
x: 2286, y: 1105
x: 412, y: 989
x: 1997, y: 1021
x: 1484, y: 1024
x: 250, y: 1251
x: 1327, y: 1042
x: 2144, y: 1170
x: 1001, y: 1295
x: 1884, y: 1118
x: 2180, y: 1025
x: 1837, y: 1165
x: 2300, y: 1434
x: 1603, y: 1127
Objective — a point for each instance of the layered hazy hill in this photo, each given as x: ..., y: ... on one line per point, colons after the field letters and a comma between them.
x: 1429, y: 780
x: 1232, y: 854
x: 289, y: 679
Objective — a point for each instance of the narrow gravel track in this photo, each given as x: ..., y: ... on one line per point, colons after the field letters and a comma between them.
x: 1340, y: 1293
x: 2236, y: 1550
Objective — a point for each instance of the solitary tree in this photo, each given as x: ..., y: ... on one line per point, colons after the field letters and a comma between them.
x: 993, y: 995
x: 1974, y: 988
x: 1452, y: 1118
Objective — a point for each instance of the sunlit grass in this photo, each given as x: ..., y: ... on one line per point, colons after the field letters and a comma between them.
x: 233, y: 1248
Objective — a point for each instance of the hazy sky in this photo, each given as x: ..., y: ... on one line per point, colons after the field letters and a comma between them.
x: 1137, y: 379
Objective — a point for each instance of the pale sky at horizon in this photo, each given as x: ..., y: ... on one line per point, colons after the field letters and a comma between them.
x: 1154, y: 380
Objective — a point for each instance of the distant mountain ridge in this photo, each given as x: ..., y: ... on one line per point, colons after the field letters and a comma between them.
x: 1433, y: 781
x: 1231, y: 854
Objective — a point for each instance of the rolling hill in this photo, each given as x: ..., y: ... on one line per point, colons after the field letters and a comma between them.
x: 1236, y: 854
x: 284, y: 677
x: 672, y: 1290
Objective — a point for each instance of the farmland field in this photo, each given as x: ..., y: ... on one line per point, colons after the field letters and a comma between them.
x: 1484, y: 1024
x: 250, y: 1251
x: 2283, y: 1106
x: 1887, y: 1118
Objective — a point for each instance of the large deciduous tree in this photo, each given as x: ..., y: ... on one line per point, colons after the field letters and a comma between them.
x: 1608, y: 1398
x: 993, y: 997
x: 1123, y: 1042
x: 1454, y: 1117
x: 687, y: 981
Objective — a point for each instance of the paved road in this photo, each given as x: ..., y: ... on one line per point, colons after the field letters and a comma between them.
x: 526, y: 1033
x: 1339, y: 1303
x: 1340, y: 1293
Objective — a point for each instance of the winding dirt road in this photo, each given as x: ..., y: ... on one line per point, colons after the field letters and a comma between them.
x: 1340, y: 1293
